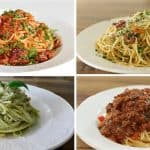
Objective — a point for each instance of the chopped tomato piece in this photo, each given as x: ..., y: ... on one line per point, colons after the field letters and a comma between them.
x: 101, y: 118
x: 135, y: 136
x: 139, y: 30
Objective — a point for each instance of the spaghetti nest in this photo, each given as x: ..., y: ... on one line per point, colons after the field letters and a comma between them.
x: 24, y: 41
x: 127, y: 41
x: 16, y: 112
x: 127, y: 119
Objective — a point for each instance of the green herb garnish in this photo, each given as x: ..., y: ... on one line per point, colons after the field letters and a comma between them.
x: 47, y: 37
x: 140, y: 49
x: 30, y: 28
x: 17, y: 84
x: 32, y: 53
x: 1, y: 51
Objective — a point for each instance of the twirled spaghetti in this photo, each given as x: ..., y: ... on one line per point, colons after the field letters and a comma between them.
x: 127, y: 41
x: 16, y: 112
x: 127, y: 120
x: 24, y: 41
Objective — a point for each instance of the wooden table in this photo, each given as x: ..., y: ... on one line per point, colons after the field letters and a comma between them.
x: 87, y: 86
x: 92, y: 11
x: 63, y: 86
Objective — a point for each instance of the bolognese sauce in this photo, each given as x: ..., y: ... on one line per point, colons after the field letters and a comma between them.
x: 127, y: 116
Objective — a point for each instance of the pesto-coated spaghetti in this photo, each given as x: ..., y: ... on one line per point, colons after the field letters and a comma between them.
x: 127, y: 41
x: 16, y: 112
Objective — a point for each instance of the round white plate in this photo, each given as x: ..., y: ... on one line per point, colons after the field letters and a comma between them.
x: 86, y: 51
x: 55, y: 126
x: 87, y: 114
x: 65, y: 54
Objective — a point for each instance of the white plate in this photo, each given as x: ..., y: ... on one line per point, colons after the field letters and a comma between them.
x: 54, y: 128
x: 65, y: 31
x: 87, y: 114
x: 86, y: 51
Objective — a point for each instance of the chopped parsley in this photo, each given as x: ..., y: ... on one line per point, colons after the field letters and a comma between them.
x: 140, y: 49
x: 13, y: 13
x: 17, y: 44
x: 32, y: 53
x: 30, y: 29
x: 1, y: 51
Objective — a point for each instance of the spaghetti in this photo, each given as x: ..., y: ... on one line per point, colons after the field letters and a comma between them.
x: 16, y: 112
x: 127, y: 41
x: 128, y: 118
x: 24, y: 41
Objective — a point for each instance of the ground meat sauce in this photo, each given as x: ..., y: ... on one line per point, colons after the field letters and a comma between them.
x: 127, y: 116
x: 46, y: 55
